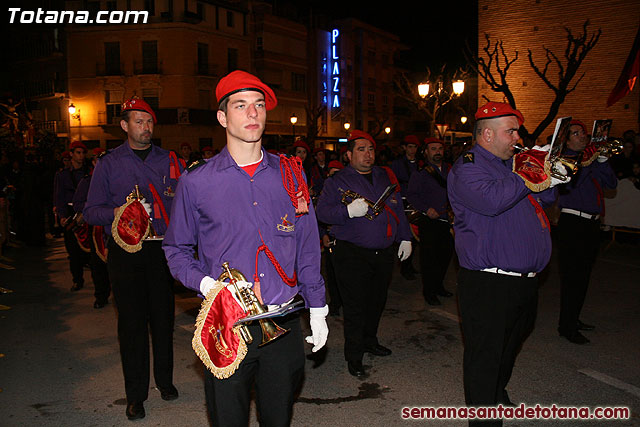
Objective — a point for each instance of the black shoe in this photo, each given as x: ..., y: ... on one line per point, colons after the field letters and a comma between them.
x: 432, y: 300
x: 576, y: 337
x: 355, y: 368
x: 77, y: 287
x: 135, y: 410
x: 169, y: 393
x: 378, y: 350
x: 444, y: 293
x: 99, y: 304
x: 585, y: 326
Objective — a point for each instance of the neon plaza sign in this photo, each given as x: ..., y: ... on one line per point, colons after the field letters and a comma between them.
x: 331, y: 71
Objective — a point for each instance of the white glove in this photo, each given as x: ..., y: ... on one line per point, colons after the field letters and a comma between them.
x: 542, y: 147
x: 562, y: 170
x: 147, y: 206
x: 319, y: 328
x: 404, y: 251
x: 602, y: 159
x: 357, y: 208
x: 207, y: 283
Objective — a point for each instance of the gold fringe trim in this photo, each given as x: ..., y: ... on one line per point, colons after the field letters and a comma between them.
x: 84, y: 249
x: 114, y: 231
x: 95, y: 245
x: 536, y: 188
x: 201, y: 351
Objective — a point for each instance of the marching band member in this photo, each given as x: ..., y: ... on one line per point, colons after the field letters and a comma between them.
x: 427, y: 193
x: 363, y: 256
x: 582, y: 203
x: 502, y: 240
x: 141, y: 282
x: 66, y: 183
x: 256, y: 217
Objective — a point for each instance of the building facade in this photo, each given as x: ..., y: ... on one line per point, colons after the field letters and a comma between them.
x: 536, y: 24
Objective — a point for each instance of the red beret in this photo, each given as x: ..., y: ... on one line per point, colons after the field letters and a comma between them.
x: 77, y: 144
x: 432, y: 140
x: 334, y: 164
x: 137, y: 104
x: 240, y: 81
x: 411, y: 139
x: 97, y: 151
x: 303, y: 144
x: 579, y: 123
x: 491, y: 110
x: 358, y: 134
x: 343, y: 150
x: 66, y: 155
x: 207, y: 148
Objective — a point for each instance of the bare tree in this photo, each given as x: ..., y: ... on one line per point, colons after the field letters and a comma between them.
x: 495, y: 67
x: 313, y: 115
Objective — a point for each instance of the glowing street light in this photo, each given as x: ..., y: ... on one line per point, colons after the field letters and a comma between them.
x: 294, y: 120
x: 458, y: 87
x: 463, y: 119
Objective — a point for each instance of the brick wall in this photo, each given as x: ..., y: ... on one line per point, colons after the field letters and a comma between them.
x: 532, y: 24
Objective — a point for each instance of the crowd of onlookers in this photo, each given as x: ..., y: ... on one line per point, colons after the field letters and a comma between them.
x: 27, y: 180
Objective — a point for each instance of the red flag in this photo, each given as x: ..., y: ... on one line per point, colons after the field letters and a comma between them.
x: 629, y: 74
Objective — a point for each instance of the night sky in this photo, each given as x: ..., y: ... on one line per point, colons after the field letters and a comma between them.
x: 435, y: 31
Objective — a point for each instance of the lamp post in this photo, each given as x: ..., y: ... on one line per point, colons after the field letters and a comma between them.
x: 75, y: 114
x: 439, y: 96
x: 294, y: 120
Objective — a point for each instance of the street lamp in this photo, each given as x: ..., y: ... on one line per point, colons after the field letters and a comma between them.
x: 436, y: 93
x: 75, y: 114
x: 387, y: 130
x: 294, y: 120
x: 347, y: 125
x: 463, y: 119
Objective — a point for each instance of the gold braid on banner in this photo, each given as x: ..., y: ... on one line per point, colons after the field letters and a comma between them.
x: 133, y: 197
x: 199, y: 348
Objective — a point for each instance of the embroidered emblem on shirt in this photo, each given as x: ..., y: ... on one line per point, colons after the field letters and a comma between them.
x: 468, y: 158
x: 285, y: 225
x: 169, y: 192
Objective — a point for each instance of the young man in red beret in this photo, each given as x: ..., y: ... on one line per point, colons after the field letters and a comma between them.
x: 261, y: 223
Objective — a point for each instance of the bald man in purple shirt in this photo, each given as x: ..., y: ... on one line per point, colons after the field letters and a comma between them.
x: 502, y: 240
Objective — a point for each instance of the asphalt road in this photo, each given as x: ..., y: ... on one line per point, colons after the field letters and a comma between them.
x: 60, y: 363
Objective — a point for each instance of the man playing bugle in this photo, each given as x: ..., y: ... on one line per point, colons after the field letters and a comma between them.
x: 250, y: 209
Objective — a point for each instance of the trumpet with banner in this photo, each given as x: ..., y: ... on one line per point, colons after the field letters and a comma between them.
x: 600, y: 144
x: 132, y: 224
x: 222, y: 336
x: 537, y: 166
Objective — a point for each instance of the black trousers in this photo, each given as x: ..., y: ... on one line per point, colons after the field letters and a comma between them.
x: 335, y: 302
x: 363, y: 277
x: 276, y: 370
x: 99, y: 275
x: 578, y: 244
x: 498, y: 312
x: 436, y: 250
x: 143, y: 292
x: 77, y: 257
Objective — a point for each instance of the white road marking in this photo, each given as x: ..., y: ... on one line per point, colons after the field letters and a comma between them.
x: 629, y: 388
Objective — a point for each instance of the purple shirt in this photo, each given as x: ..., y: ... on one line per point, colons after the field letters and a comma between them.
x: 361, y: 231
x: 425, y: 192
x: 581, y: 192
x: 115, y: 177
x: 404, y: 169
x: 224, y: 212
x: 66, y: 183
x: 496, y: 225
